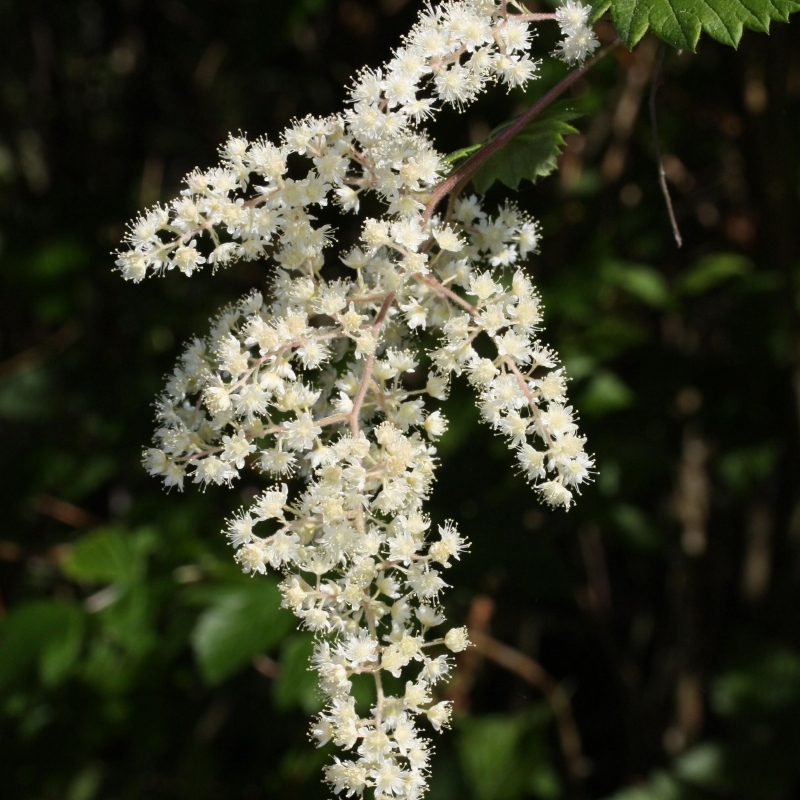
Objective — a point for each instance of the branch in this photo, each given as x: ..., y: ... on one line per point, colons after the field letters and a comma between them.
x: 662, y: 176
x: 362, y: 389
x: 532, y: 672
x: 471, y: 165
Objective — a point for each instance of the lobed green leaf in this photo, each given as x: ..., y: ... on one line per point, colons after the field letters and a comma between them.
x: 531, y: 154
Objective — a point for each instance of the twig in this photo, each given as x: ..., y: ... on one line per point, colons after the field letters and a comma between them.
x: 594, y: 560
x: 57, y: 342
x: 532, y: 672
x: 362, y: 389
x: 662, y: 176
x: 472, y: 164
x: 637, y: 76
x: 267, y: 666
x: 65, y: 512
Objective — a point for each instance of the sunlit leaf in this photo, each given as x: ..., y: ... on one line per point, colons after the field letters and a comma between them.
x: 635, y: 527
x: 680, y: 22
x: 642, y: 282
x: 661, y: 786
x: 768, y: 683
x: 504, y: 755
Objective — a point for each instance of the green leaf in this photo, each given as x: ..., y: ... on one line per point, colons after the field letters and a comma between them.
x: 635, y: 527
x: 86, y: 784
x: 642, y: 282
x: 243, y: 620
x: 42, y: 632
x: 710, y: 271
x: 464, y: 152
x: 680, y: 22
x: 768, y: 683
x: 604, y: 394
x: 661, y: 786
x: 56, y: 260
x: 598, y: 9
x: 108, y: 668
x: 745, y: 467
x: 504, y: 755
x: 108, y: 555
x: 296, y: 685
x: 63, y: 646
x: 27, y: 395
x: 531, y: 154
x: 129, y: 621
x: 704, y: 765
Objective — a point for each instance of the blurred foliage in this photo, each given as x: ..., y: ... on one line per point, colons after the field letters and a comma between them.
x: 136, y: 660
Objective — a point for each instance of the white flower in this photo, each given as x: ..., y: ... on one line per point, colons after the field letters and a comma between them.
x: 456, y: 639
x: 448, y: 240
x: 237, y: 448
x: 299, y: 434
x: 269, y: 505
x: 555, y: 493
x: 435, y: 425
x: 439, y: 715
x: 577, y: 45
x: 572, y: 15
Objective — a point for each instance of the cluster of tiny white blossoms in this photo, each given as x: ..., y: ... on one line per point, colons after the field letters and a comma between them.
x: 579, y: 39
x: 325, y: 384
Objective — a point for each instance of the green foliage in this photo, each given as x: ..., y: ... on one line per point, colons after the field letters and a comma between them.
x: 661, y: 786
x: 742, y: 468
x: 634, y: 526
x: 506, y: 756
x: 109, y: 555
x: 40, y: 633
x: 24, y: 396
x: 532, y: 154
x: 242, y: 620
x: 714, y: 270
x: 296, y: 684
x: 605, y: 393
x: 680, y: 22
x: 767, y: 683
x: 639, y: 281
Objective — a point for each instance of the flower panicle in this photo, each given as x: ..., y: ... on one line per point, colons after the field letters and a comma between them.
x: 313, y: 382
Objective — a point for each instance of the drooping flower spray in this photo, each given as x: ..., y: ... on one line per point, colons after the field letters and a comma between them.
x: 306, y: 381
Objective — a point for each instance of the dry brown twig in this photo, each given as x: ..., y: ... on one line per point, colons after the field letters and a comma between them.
x: 527, y: 668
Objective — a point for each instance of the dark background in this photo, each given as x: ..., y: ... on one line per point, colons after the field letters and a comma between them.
x: 136, y: 662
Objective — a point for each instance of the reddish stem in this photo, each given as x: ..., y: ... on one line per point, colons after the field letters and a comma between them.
x: 362, y: 389
x: 472, y: 164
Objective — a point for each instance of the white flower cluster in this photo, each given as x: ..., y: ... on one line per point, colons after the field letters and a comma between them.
x: 579, y: 39
x: 274, y: 383
x: 318, y: 385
